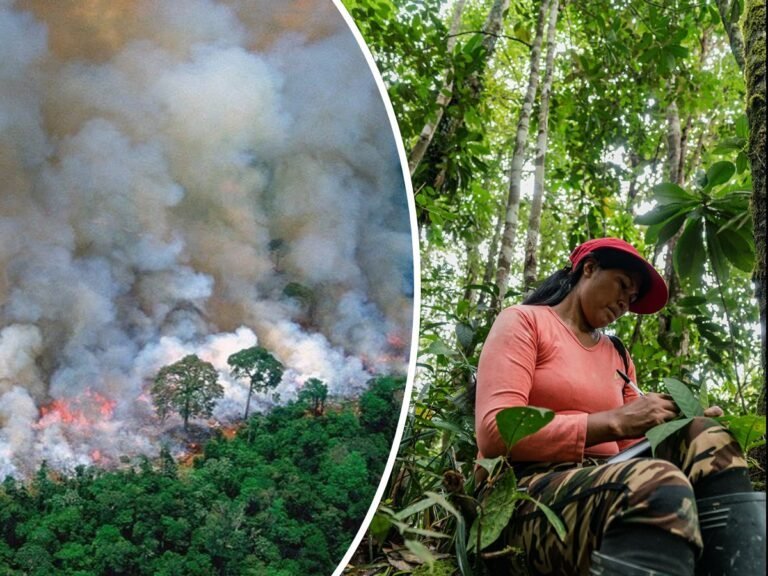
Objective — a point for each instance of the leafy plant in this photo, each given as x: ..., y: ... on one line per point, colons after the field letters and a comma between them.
x: 748, y: 429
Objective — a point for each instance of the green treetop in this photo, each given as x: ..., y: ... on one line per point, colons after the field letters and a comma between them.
x: 262, y: 369
x: 189, y: 386
x: 314, y: 391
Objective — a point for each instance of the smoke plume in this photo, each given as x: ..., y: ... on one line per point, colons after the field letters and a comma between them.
x: 187, y: 176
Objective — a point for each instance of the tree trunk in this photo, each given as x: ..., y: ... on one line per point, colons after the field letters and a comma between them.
x: 516, y: 168
x: 443, y: 96
x: 754, y: 35
x: 674, y: 174
x: 448, y: 126
x: 248, y: 401
x: 731, y: 25
x: 530, y: 266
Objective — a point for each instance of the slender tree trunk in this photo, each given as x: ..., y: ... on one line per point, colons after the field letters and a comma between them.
x: 516, y: 169
x: 731, y: 26
x: 248, y: 401
x: 530, y: 266
x: 443, y: 96
x: 448, y: 127
x: 754, y: 36
x: 674, y: 148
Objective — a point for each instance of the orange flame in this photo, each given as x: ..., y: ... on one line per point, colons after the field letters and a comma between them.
x: 83, y: 411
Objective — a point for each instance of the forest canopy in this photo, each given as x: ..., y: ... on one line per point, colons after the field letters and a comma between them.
x: 533, y: 126
x: 284, y: 497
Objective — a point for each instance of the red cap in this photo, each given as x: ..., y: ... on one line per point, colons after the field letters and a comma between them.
x: 655, y: 296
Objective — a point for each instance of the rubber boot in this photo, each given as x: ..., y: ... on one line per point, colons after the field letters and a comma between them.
x: 603, y: 565
x: 733, y: 530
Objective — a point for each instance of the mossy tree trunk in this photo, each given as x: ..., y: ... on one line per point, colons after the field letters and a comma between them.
x: 754, y: 40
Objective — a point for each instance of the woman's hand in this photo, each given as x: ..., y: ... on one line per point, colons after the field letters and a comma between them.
x: 630, y: 420
x: 713, y: 412
x: 638, y: 416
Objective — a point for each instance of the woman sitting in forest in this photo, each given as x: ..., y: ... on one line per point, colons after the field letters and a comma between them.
x: 634, y: 517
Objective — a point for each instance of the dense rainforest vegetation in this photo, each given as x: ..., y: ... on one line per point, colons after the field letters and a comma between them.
x: 284, y: 497
x: 531, y: 126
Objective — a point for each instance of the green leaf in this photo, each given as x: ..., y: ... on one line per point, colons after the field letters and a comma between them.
x: 677, y: 50
x: 691, y: 301
x: 748, y: 429
x: 689, y: 251
x: 670, y: 227
x: 742, y: 162
x: 520, y: 421
x: 415, y: 508
x: 461, y: 532
x: 661, y: 214
x: 742, y: 126
x: 703, y: 395
x: 551, y: 516
x: 658, y: 434
x: 719, y: 173
x: 380, y: 526
x: 464, y: 334
x: 730, y: 145
x: 422, y: 552
x: 716, y: 255
x: 439, y: 348
x: 498, y: 508
x: 669, y: 192
x: 739, y: 251
x: 688, y: 403
x: 489, y: 464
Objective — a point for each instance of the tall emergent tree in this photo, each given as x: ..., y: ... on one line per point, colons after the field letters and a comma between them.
x: 189, y: 387
x: 263, y: 370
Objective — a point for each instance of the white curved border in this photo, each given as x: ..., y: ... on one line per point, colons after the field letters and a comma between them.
x: 416, y: 287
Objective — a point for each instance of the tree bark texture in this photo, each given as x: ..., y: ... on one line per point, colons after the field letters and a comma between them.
x: 754, y: 72
x: 530, y: 266
x: 443, y: 96
x: 754, y: 35
x: 675, y: 175
x: 731, y: 25
x: 516, y: 168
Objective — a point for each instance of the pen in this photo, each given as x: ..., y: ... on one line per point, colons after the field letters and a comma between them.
x: 629, y: 382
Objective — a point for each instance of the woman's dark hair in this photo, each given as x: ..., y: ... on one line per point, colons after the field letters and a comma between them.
x: 557, y: 286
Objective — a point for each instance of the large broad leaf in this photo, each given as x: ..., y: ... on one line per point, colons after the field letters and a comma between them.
x: 669, y: 192
x: 497, y: 511
x: 719, y: 173
x: 690, y: 253
x: 683, y: 396
x: 717, y: 257
x: 738, y: 249
x: 748, y: 429
x: 661, y: 214
x: 670, y: 227
x: 658, y: 434
x: 520, y: 421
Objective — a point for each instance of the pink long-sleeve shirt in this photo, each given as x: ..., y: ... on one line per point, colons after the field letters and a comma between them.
x: 532, y: 358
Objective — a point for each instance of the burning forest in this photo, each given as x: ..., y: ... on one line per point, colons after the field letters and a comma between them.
x: 187, y: 177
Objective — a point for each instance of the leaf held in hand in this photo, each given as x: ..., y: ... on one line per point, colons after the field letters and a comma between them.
x: 658, y: 434
x: 688, y: 403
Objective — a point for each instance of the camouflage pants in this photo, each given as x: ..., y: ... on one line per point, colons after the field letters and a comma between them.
x: 589, y: 499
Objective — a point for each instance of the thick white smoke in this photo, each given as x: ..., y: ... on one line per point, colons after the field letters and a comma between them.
x: 188, y: 177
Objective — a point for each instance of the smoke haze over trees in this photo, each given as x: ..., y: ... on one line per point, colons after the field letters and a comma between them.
x: 164, y: 178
